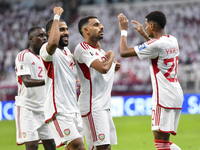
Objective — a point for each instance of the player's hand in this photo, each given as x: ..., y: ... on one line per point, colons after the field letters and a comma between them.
x: 118, y: 65
x: 140, y: 30
x: 98, y: 46
x: 58, y: 11
x: 109, y: 54
x: 123, y: 22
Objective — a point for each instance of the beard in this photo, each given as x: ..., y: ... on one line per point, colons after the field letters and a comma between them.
x: 61, y: 43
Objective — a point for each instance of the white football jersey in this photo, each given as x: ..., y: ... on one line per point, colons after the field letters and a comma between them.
x: 28, y: 63
x: 95, y: 87
x: 60, y: 82
x: 163, y: 54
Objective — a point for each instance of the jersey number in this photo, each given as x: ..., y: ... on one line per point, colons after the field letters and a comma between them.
x: 39, y: 74
x: 174, y: 62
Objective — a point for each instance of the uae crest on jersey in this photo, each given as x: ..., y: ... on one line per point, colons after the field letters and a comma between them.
x: 24, y: 134
x: 101, y: 136
x: 21, y: 67
x: 67, y: 132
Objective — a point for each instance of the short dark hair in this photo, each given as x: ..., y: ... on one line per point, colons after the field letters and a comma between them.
x: 84, y: 21
x: 157, y: 16
x: 49, y: 24
x: 31, y: 30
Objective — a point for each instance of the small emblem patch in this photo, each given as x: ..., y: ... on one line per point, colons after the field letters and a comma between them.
x: 141, y: 47
x: 24, y: 134
x: 67, y: 132
x: 21, y: 67
x: 101, y: 136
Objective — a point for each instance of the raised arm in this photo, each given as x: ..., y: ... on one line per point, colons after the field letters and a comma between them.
x: 123, y: 26
x: 54, y: 33
x: 104, y: 67
x: 29, y: 82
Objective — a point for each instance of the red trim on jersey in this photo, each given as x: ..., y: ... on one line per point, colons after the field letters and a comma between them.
x: 86, y: 72
x: 58, y: 128
x: 155, y: 71
x: 18, y: 122
x: 86, y: 46
x: 92, y: 127
x: 20, y: 82
x: 33, y: 53
x: 21, y: 55
x: 50, y: 74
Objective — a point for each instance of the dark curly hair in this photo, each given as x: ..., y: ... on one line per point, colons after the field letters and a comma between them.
x: 84, y: 21
x: 157, y: 16
x: 49, y: 24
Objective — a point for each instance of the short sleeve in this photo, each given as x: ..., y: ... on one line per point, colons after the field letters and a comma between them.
x: 22, y: 67
x: 148, y: 49
x: 84, y: 55
x: 44, y: 54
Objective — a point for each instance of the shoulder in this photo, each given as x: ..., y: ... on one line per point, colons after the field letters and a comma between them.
x: 22, y: 55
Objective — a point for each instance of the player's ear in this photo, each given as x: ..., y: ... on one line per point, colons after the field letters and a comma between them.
x: 152, y: 25
x: 30, y: 38
x: 48, y: 33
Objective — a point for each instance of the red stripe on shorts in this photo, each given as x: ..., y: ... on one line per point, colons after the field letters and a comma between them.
x: 58, y: 128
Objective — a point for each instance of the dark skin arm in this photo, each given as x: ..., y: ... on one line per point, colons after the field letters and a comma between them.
x: 29, y: 82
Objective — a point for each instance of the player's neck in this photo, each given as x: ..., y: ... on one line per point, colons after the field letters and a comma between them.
x: 91, y: 42
x: 34, y: 50
x: 60, y: 47
x: 159, y: 34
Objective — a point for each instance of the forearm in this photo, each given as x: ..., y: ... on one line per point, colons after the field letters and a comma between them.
x: 108, y: 63
x: 33, y: 82
x: 123, y: 46
x: 54, y: 37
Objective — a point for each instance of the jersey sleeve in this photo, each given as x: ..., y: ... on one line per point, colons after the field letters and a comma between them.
x: 148, y: 49
x: 84, y: 55
x: 22, y: 66
x: 44, y: 54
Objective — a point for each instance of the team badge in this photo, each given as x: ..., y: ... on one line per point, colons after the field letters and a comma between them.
x: 101, y: 136
x: 67, y: 132
x: 141, y: 47
x: 24, y: 134
x: 21, y: 67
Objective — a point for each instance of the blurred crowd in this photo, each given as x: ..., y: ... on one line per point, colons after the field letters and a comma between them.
x: 183, y: 22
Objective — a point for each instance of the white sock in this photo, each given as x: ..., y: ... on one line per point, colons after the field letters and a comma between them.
x: 174, y: 147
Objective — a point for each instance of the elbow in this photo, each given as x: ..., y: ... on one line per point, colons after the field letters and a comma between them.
x: 123, y: 55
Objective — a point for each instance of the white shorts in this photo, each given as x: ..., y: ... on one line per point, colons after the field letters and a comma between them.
x: 30, y: 126
x: 66, y: 128
x: 165, y: 120
x: 99, y: 129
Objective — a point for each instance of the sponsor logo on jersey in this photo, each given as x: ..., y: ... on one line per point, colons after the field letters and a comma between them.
x: 97, y: 53
x: 21, y: 67
x: 101, y: 136
x: 33, y: 63
x: 67, y: 132
x: 141, y: 47
x: 24, y: 134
